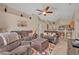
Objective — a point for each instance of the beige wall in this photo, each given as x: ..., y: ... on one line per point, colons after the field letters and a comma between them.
x: 9, y: 21
x: 76, y: 19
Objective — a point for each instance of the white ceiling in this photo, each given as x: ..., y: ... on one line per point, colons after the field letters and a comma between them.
x: 61, y: 10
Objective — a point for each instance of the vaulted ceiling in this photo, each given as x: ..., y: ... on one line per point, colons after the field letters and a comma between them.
x: 60, y: 10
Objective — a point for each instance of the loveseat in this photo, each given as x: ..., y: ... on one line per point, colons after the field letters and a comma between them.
x: 12, y: 44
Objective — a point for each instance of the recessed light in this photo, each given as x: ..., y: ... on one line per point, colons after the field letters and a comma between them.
x: 21, y: 15
x: 5, y: 9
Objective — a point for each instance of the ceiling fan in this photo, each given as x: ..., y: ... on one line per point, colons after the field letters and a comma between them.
x: 45, y: 11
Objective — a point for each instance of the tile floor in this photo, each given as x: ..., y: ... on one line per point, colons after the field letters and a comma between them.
x: 60, y: 48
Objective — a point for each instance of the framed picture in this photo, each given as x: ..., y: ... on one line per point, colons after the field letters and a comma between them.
x: 22, y: 23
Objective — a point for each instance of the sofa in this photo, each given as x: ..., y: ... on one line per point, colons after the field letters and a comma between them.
x: 53, y: 38
x: 12, y: 44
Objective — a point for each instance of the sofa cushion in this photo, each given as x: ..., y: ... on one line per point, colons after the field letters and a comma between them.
x: 25, y: 42
x: 10, y: 46
x: 21, y: 50
x: 27, y: 38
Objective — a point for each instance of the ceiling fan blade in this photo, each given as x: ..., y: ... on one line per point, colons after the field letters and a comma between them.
x: 39, y: 10
x: 39, y: 13
x: 46, y: 8
x: 49, y: 11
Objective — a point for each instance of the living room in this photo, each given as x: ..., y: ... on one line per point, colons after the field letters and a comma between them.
x: 39, y: 28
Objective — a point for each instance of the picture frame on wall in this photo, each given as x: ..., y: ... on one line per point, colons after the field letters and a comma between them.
x: 22, y: 23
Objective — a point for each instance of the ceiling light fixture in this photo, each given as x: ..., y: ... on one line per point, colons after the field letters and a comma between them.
x: 5, y: 9
x: 45, y: 11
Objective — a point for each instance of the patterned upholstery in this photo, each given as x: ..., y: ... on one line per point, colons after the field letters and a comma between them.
x: 11, y: 46
x: 8, y: 37
x: 20, y: 50
x: 40, y: 44
x: 14, y: 44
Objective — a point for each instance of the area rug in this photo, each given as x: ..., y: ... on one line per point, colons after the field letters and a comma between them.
x: 47, y: 51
